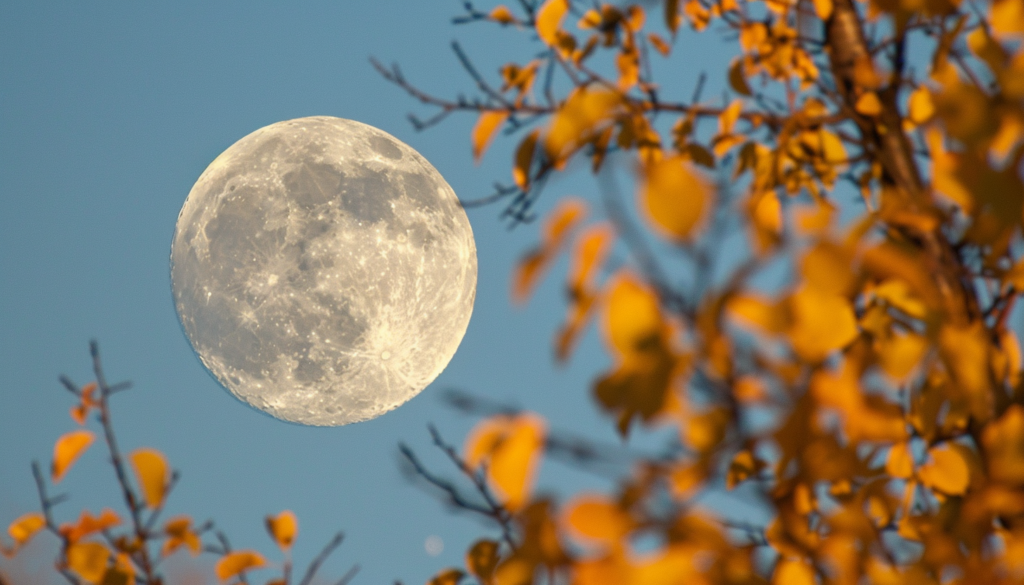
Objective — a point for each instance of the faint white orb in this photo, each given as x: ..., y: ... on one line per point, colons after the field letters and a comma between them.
x: 434, y: 545
x: 323, y: 271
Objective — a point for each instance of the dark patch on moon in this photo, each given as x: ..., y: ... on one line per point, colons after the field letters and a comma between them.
x: 385, y: 147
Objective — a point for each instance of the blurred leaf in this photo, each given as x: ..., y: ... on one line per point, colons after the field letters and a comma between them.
x: 486, y: 125
x: 738, y: 81
x: 88, y: 524
x: 67, y: 450
x: 151, y: 471
x: 512, y: 447
x: 598, y: 519
x: 524, y: 159
x: 900, y: 462
x: 947, y: 471
x: 674, y: 197
x: 569, y: 212
x: 1004, y: 447
x: 24, y: 528
x: 869, y: 104
x: 502, y: 14
x: 283, y: 528
x: 179, y: 532
x: 448, y: 577
x: 549, y: 19
x: 80, y: 411
x: 482, y: 558
x: 920, y: 108
x: 823, y: 8
x: 236, y: 562
x: 88, y: 559
x: 793, y: 572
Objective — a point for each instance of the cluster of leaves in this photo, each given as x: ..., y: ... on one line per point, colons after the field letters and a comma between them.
x: 106, y: 549
x: 871, y: 405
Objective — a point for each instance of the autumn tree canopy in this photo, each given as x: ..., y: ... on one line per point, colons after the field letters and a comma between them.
x: 872, y: 402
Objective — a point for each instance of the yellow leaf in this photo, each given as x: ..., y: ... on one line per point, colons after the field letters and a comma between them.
x: 900, y: 462
x: 1004, y: 447
x: 524, y: 160
x: 88, y: 560
x: 559, y: 223
x: 179, y: 532
x: 869, y: 104
x: 67, y: 450
x: 25, y: 526
x: 828, y: 267
x: 549, y: 19
x: 448, y: 577
x: 151, y: 471
x: 900, y: 354
x: 482, y: 558
x: 920, y: 108
x: 596, y: 518
x: 947, y: 471
x: 742, y: 467
x: 633, y: 316
x: 822, y: 323
x: 283, y: 528
x: 236, y: 562
x: 88, y: 524
x: 486, y: 125
x: 584, y: 116
x: 502, y: 14
x: 728, y: 117
x: 1007, y: 17
x: 675, y: 197
x: 767, y: 316
x: 793, y: 572
x: 512, y: 447
x: 659, y: 44
x: 823, y: 8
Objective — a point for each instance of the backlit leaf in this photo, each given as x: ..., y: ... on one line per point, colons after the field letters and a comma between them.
x: 179, y: 532
x: 632, y: 318
x: 511, y: 447
x: 822, y: 323
x: 1007, y: 17
x: 25, y: 527
x: 486, y: 125
x: 900, y: 462
x: 793, y: 572
x: 236, y: 562
x: 283, y: 528
x: 674, y: 197
x: 823, y: 8
x: 67, y: 450
x: 502, y: 14
x: 1004, y: 447
x: 151, y: 471
x: 598, y: 519
x: 921, y: 108
x: 947, y: 470
x: 556, y: 227
x: 869, y: 104
x: 88, y: 524
x: 549, y: 19
x: 89, y: 560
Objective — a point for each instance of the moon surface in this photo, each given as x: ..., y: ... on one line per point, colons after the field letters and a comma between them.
x: 323, y: 271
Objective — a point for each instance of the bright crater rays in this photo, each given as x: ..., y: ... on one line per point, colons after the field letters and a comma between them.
x: 323, y: 271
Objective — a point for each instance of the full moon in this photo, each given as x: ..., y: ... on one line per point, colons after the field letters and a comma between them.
x: 323, y: 271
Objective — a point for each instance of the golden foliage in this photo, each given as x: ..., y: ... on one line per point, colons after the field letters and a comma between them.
x: 236, y: 562
x: 67, y: 450
x: 151, y: 471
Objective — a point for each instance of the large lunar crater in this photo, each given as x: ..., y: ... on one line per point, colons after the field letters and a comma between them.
x: 323, y: 271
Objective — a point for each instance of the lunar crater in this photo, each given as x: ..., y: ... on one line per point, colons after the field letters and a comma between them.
x: 323, y: 271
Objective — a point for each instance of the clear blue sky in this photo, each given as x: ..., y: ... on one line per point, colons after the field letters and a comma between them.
x: 108, y: 114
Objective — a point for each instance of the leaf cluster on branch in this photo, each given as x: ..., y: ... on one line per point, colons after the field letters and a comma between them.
x: 871, y: 405
x: 108, y: 549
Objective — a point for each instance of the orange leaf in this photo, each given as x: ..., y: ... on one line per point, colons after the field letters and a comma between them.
x: 549, y: 18
x: 283, y: 528
x: 512, y: 448
x: 948, y: 471
x: 868, y: 104
x: 87, y: 402
x: 1004, y: 446
x: 570, y: 211
x: 1007, y: 17
x: 524, y: 159
x: 675, y: 197
x: 590, y: 249
x: 179, y: 532
x: 632, y: 315
x: 728, y: 118
x: 503, y: 15
x: 89, y: 560
x: 900, y: 462
x: 822, y: 323
x: 659, y: 44
x: 823, y: 8
x: 234, y: 563
x: 921, y: 108
x: 25, y: 526
x: 486, y: 125
x: 151, y: 471
x: 67, y: 450
x: 88, y: 524
x: 448, y: 577
x: 482, y: 558
x: 793, y: 572
x: 598, y: 519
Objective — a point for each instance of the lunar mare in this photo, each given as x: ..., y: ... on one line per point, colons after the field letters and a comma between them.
x: 323, y: 271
